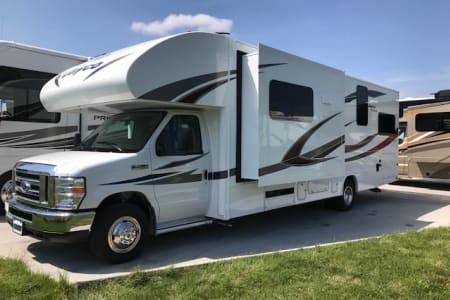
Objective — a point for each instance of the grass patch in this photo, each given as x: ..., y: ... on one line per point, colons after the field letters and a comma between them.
x: 411, y: 265
x: 17, y: 282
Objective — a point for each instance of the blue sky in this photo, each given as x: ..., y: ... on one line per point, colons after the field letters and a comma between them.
x: 401, y: 44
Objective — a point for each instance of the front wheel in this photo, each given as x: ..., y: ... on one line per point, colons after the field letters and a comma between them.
x: 118, y: 232
x: 6, y: 189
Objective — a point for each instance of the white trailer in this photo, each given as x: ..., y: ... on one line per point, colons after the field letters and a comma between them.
x: 205, y: 128
x: 26, y: 128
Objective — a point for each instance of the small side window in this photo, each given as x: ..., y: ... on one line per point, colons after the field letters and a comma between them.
x: 181, y: 136
x: 362, y: 105
x: 386, y: 124
x: 439, y: 121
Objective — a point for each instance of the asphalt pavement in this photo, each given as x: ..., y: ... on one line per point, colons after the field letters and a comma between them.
x: 396, y: 208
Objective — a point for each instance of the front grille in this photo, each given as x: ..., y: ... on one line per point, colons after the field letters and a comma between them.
x: 31, y: 187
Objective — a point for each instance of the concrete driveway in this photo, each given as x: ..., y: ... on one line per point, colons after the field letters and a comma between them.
x: 394, y: 209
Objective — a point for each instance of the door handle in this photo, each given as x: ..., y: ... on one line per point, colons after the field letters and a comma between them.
x: 378, y: 165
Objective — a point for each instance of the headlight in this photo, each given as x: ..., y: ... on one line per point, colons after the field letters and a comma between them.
x: 69, y: 191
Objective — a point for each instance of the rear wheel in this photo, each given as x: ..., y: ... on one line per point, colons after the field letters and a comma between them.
x: 6, y: 190
x: 345, y: 201
x: 118, y: 232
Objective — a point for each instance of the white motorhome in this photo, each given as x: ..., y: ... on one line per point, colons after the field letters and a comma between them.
x: 424, y: 142
x: 205, y: 128
x: 26, y: 128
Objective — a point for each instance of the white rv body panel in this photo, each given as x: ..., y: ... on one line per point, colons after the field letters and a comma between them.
x: 24, y: 139
x: 26, y: 128
x: 88, y: 86
x: 300, y: 139
x: 96, y: 167
x: 266, y: 129
x: 370, y: 154
x: 34, y: 58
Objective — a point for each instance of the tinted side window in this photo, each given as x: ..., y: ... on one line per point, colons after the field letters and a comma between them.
x: 362, y: 105
x: 433, y: 121
x: 181, y: 136
x: 19, y: 90
x: 290, y: 101
x: 386, y: 123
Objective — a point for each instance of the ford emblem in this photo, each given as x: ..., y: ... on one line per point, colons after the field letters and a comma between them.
x: 25, y: 185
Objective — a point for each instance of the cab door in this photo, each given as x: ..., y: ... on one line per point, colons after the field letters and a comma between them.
x: 180, y: 163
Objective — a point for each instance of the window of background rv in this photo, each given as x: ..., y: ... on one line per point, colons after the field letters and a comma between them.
x: 362, y: 105
x: 19, y: 90
x: 181, y: 136
x: 386, y: 124
x: 402, y: 127
x: 289, y: 101
x: 438, y: 121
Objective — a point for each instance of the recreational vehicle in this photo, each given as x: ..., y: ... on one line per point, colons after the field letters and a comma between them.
x: 424, y: 142
x: 26, y: 128
x: 204, y: 128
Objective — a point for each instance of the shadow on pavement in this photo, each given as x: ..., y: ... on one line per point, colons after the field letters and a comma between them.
x: 423, y: 184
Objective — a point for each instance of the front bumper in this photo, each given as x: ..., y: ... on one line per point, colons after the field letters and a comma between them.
x: 55, y: 225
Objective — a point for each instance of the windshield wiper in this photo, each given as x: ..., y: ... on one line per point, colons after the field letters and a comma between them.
x: 110, y: 144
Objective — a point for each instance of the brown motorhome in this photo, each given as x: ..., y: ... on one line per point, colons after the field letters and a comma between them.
x: 424, y: 142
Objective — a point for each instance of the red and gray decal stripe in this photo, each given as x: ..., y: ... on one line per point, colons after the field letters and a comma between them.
x: 367, y: 140
x: 375, y: 149
x: 294, y: 157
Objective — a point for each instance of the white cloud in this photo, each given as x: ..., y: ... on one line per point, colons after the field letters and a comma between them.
x: 172, y: 23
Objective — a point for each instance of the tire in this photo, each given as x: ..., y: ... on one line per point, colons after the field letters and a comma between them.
x: 118, y: 232
x: 348, y: 197
x: 5, y: 190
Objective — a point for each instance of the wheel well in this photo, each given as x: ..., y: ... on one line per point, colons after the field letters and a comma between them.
x: 6, y: 174
x: 134, y: 198
x: 354, y: 180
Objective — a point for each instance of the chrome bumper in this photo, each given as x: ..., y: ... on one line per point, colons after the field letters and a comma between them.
x: 41, y: 220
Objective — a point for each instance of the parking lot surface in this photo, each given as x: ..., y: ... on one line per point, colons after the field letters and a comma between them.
x: 396, y: 208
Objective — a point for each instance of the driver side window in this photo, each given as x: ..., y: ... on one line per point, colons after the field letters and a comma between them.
x: 181, y: 136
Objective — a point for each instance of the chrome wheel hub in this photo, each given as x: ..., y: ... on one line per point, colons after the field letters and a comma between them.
x: 124, y: 234
x: 348, y: 195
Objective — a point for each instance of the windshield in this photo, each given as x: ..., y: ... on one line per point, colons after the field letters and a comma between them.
x: 127, y: 132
